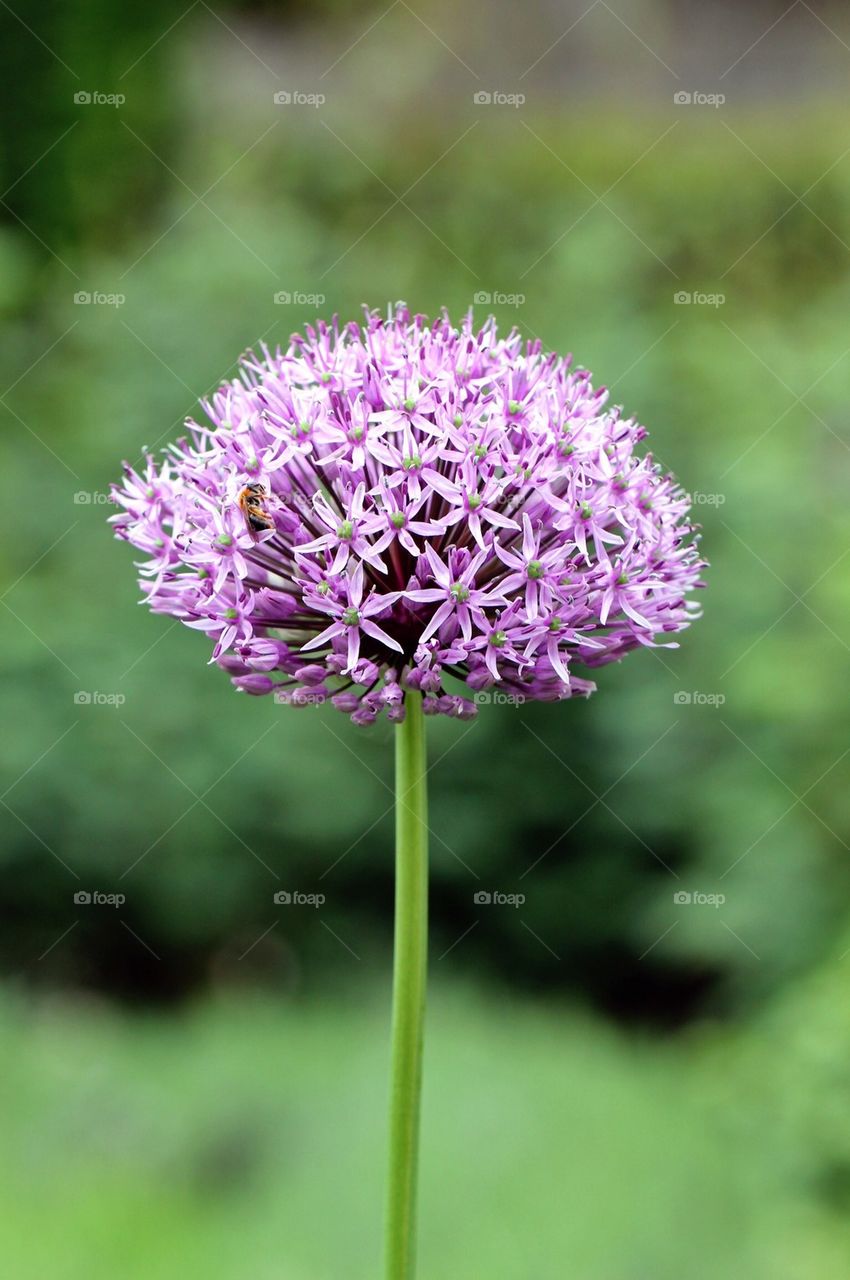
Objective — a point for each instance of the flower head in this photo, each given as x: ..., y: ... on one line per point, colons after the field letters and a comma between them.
x: 410, y: 505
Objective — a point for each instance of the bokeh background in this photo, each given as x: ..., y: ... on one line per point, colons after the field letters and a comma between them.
x: 642, y: 1070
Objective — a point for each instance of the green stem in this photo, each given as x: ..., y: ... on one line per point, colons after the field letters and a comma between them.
x: 409, y: 976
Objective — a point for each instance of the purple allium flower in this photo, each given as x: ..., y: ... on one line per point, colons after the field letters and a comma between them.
x: 431, y: 504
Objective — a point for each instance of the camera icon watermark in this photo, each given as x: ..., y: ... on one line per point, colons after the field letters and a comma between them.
x: 684, y: 898
x: 285, y: 298
x: 684, y: 298
x: 495, y: 898
x: 83, y: 298
x: 93, y: 698
x: 695, y: 98
x: 298, y: 98
x: 295, y: 898
x: 84, y: 98
x: 496, y: 98
x: 87, y: 898
x: 685, y: 698
x: 497, y: 298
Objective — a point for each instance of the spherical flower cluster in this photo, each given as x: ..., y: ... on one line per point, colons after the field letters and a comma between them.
x: 404, y: 505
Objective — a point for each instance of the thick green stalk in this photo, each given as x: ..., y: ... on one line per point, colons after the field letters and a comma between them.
x: 409, y: 977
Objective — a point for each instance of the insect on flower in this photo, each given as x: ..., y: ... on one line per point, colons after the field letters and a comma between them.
x: 252, y: 504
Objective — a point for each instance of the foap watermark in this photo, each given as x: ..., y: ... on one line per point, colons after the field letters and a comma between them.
x: 696, y: 98
x: 303, y: 697
x: 93, y: 698
x: 85, y: 98
x: 496, y: 98
x: 96, y: 299
x: 686, y: 898
x: 498, y: 698
x: 296, y: 501
x: 285, y: 298
x: 495, y: 898
x: 700, y: 499
x: 92, y: 498
x: 686, y: 698
x: 298, y: 98
x: 686, y: 298
x: 496, y: 298
x: 295, y: 898
x: 94, y: 898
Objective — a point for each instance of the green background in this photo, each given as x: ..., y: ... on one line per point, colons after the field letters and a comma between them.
x: 618, y: 1085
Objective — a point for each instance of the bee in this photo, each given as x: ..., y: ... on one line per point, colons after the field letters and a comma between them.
x: 252, y: 504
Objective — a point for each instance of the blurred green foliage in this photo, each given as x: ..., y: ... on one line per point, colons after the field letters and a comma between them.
x: 246, y: 1138
x: 237, y: 1164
